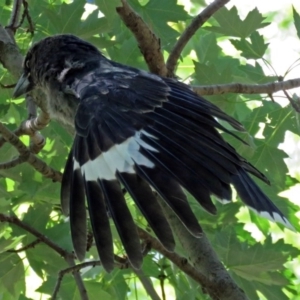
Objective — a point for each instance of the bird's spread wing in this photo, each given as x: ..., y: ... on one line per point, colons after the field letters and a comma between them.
x: 145, y: 133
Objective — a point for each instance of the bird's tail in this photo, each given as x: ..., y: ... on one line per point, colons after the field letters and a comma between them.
x: 256, y: 200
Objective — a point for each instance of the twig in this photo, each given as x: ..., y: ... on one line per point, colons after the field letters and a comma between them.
x: 28, y: 17
x: 7, y: 86
x: 121, y: 263
x: 27, y: 156
x: 294, y: 103
x: 68, y: 256
x: 148, y: 42
x: 14, y: 140
x: 37, y: 234
x: 26, y: 247
x: 13, y: 163
x: 267, y: 88
x: 16, y: 21
x: 197, y: 22
x: 162, y: 278
x: 176, y: 259
x: 74, y: 270
x: 147, y: 284
x: 35, y: 123
x: 78, y: 280
x: 15, y: 16
x: 30, y: 127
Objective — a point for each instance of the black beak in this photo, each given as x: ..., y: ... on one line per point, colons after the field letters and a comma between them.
x: 22, y: 87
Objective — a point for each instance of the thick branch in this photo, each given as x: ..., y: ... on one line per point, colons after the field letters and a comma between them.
x: 197, y: 22
x: 177, y: 260
x: 218, y: 283
x: 148, y: 42
x: 10, y: 56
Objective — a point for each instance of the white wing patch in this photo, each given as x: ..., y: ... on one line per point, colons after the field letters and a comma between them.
x: 223, y: 200
x: 275, y: 217
x: 121, y: 157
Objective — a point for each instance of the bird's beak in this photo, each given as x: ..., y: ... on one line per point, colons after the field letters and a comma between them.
x: 22, y: 86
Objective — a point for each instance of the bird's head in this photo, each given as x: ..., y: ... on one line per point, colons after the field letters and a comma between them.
x: 51, y: 59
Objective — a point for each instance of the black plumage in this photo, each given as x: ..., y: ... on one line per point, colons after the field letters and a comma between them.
x: 139, y: 131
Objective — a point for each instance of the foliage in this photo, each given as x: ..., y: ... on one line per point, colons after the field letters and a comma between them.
x: 261, y: 267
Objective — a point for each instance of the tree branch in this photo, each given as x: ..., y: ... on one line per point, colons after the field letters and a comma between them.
x: 13, y: 163
x: 147, y: 284
x: 197, y: 22
x: 30, y: 128
x: 37, y: 234
x: 15, y: 16
x: 239, y: 88
x: 176, y: 259
x: 218, y: 283
x: 68, y: 256
x: 148, y: 42
x: 28, y: 17
x: 295, y: 101
x: 26, y: 155
x: 74, y: 269
x: 207, y: 270
x: 10, y: 56
x: 26, y: 247
x: 78, y: 280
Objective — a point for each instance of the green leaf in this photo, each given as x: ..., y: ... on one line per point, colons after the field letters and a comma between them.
x: 12, y: 274
x: 10, y: 243
x: 255, y: 74
x: 68, y: 288
x: 43, y: 259
x: 37, y: 216
x: 156, y: 14
x: 272, y: 160
x: 231, y: 24
x: 108, y: 8
x: 95, y: 292
x: 60, y: 233
x: 256, y: 49
x: 267, y: 157
x: 207, y: 74
x: 207, y: 48
x: 250, y: 288
x: 111, y: 17
x: 116, y: 285
x: 150, y: 267
x: 296, y: 21
x: 255, y: 262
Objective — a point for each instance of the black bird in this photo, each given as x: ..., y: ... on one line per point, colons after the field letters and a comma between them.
x: 139, y: 131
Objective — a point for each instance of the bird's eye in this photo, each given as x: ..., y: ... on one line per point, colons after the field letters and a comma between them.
x: 27, y: 64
